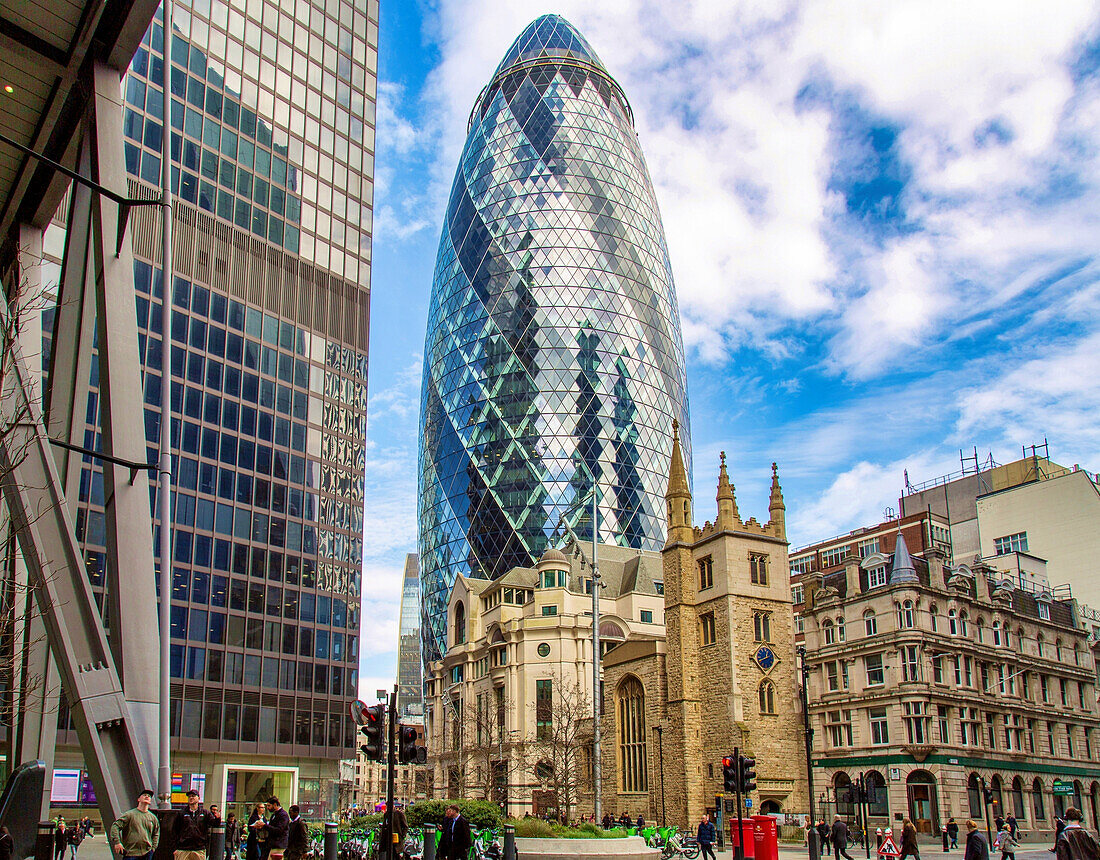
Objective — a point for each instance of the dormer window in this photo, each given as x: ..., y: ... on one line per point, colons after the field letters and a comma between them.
x: 876, y: 577
x: 1044, y: 610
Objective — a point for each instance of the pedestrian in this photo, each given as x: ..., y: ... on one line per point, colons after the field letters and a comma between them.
x: 1059, y: 826
x: 838, y: 835
x: 1013, y: 826
x: 76, y: 836
x: 641, y: 822
x: 232, y: 835
x: 976, y: 847
x: 255, y: 836
x: 7, y: 844
x: 606, y: 821
x: 1006, y: 843
x: 297, y: 839
x: 400, y: 826
x: 276, y: 829
x: 953, y: 832
x: 456, y: 841
x: 998, y: 822
x: 1075, y: 842
x: 705, y: 836
x: 191, y: 830
x: 908, y: 840
x: 60, y: 840
x: 823, y: 835
x: 136, y: 833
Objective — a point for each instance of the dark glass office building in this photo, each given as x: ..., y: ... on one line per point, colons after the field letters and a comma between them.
x: 266, y: 366
x: 553, y: 354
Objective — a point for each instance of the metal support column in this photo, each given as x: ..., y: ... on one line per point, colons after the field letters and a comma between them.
x: 35, y: 681
x: 130, y: 568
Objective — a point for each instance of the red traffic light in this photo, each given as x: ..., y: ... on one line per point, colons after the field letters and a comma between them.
x: 727, y: 762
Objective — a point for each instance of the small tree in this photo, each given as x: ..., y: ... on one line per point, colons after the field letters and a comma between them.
x: 560, y: 748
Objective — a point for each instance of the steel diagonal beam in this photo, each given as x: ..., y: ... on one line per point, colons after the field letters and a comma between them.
x: 36, y: 501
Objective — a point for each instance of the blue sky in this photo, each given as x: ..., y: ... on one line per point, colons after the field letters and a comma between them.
x: 883, y: 221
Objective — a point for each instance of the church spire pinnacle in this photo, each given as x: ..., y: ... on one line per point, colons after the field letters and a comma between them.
x: 678, y: 495
x: 776, y: 507
x: 727, y: 501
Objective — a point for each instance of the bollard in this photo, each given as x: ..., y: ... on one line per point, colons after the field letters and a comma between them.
x: 812, y: 839
x: 509, y: 842
x: 429, y: 842
x: 331, y: 846
x: 217, y: 841
x: 43, y: 843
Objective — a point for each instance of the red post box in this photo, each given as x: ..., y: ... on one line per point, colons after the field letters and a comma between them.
x: 747, y: 835
x: 765, y: 837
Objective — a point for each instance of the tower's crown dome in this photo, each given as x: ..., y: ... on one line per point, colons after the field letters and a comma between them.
x: 549, y: 37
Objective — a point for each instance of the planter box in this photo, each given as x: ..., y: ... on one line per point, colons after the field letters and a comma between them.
x: 630, y: 848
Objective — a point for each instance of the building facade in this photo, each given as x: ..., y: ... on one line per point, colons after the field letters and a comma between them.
x: 928, y: 678
x: 410, y: 669
x: 509, y: 707
x: 553, y: 359
x: 266, y: 366
x: 1022, y: 517
x: 730, y: 652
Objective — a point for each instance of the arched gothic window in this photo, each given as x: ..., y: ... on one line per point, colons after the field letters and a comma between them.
x: 767, y: 697
x: 460, y: 623
x: 633, y: 761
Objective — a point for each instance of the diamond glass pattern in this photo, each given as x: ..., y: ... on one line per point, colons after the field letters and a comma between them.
x: 553, y: 349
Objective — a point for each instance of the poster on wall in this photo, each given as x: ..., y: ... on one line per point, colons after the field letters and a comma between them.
x: 198, y: 783
x: 65, y: 787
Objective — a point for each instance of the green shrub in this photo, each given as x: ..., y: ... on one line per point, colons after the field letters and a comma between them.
x: 480, y: 813
x: 536, y: 828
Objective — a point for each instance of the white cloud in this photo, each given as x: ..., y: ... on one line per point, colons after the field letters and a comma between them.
x: 1051, y: 396
x: 980, y: 91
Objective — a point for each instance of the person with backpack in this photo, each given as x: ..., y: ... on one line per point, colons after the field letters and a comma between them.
x: 76, y: 836
x: 1075, y: 842
x: 1006, y: 843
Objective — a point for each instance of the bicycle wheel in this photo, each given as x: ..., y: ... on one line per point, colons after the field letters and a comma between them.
x: 691, y: 851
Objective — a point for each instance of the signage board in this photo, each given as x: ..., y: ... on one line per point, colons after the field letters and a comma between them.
x: 1062, y: 788
x: 888, y: 848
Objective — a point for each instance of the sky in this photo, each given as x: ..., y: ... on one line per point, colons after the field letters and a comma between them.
x: 883, y: 221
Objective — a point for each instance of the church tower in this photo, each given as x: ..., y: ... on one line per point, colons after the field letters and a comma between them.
x: 731, y: 669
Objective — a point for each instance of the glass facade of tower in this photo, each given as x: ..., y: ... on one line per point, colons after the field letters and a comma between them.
x: 553, y: 351
x: 410, y: 676
x: 266, y: 366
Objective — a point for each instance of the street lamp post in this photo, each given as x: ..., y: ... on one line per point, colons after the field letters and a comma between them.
x: 660, y: 730
x: 597, y: 766
x: 807, y: 731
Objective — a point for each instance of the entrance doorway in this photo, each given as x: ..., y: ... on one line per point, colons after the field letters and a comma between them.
x: 544, y: 802
x: 769, y: 807
x: 921, y: 787
x: 247, y: 785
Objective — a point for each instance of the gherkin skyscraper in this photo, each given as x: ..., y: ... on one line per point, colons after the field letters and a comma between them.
x: 553, y: 353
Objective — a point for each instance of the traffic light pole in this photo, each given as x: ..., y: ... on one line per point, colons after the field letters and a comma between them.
x: 986, y: 797
x: 738, y: 846
x: 390, y: 851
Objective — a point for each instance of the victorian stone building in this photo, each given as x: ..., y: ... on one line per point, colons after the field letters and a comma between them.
x: 508, y: 711
x: 929, y: 678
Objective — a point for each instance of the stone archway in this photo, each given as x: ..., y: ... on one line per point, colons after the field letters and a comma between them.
x: 920, y: 787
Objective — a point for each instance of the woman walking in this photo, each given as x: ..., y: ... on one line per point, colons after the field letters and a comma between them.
x: 255, y: 834
x: 908, y: 840
x: 1006, y: 843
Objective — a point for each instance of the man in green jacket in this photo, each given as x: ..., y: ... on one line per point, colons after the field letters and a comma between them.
x: 137, y: 832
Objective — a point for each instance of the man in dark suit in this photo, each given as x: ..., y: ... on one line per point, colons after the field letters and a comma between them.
x: 456, y: 841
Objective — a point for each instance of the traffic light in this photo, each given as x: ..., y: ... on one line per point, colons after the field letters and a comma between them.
x: 374, y: 721
x: 407, y: 750
x: 747, y: 774
x: 729, y: 775
x: 987, y: 793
